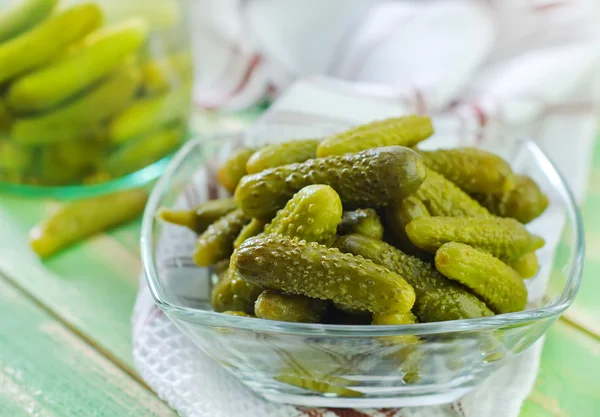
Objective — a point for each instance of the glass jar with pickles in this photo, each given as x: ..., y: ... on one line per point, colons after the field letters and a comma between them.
x: 91, y: 91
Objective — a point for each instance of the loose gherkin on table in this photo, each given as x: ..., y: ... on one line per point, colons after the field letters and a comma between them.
x: 362, y: 227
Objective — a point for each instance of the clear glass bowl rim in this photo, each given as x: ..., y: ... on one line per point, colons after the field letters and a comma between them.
x: 212, y: 318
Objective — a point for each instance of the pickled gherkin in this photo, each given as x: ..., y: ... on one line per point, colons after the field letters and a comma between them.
x: 505, y: 238
x: 442, y: 198
x: 273, y: 305
x: 252, y: 229
x: 372, y: 178
x: 234, y: 168
x: 232, y: 293
x: 23, y: 16
x: 472, y: 170
x: 401, y: 131
x: 524, y: 202
x: 391, y: 319
x: 279, y: 154
x: 202, y: 216
x: 238, y: 313
x: 6, y: 117
x: 496, y: 283
x: 171, y: 71
x: 362, y: 221
x: 14, y: 158
x: 307, y: 268
x: 312, y: 214
x: 398, y: 215
x: 216, y: 243
x: 527, y: 265
x: 437, y: 297
x: 88, y: 62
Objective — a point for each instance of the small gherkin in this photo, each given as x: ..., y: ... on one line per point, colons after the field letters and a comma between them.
x: 505, y: 238
x: 199, y: 218
x: 400, y: 131
x: 362, y: 221
x: 232, y: 293
x: 471, y: 169
x: 234, y: 168
x: 527, y: 265
x: 437, y: 297
x: 524, y: 202
x: 252, y: 229
x: 398, y: 215
x: 285, y: 153
x: 273, y: 305
x: 496, y: 283
x: 372, y: 178
x: 216, y: 243
x: 307, y: 268
x: 443, y: 198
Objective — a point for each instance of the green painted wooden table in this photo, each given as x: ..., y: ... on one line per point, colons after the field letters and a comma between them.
x: 65, y: 334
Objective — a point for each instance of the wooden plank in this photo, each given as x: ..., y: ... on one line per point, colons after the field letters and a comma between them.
x: 47, y: 371
x: 568, y: 384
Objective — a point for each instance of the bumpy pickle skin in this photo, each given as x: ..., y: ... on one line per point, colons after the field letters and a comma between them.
x: 364, y: 222
x: 216, y: 243
x: 472, y: 170
x: 279, y: 154
x: 312, y: 214
x: 437, y: 297
x: 524, y: 202
x: 307, y: 268
x: 273, y: 305
x: 44, y: 42
x: 202, y: 216
x: 505, y: 238
x: 83, y: 218
x: 496, y: 283
x: 527, y: 265
x: 401, y: 131
x: 234, y: 168
x: 252, y: 229
x: 372, y: 178
x: 398, y: 215
x: 232, y: 293
x: 443, y: 198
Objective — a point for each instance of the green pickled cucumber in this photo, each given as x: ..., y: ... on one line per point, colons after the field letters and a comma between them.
x: 307, y: 268
x: 527, y: 265
x: 23, y: 16
x: 232, y: 293
x: 94, y: 58
x: 312, y: 214
x: 524, y: 202
x: 437, y: 297
x: 80, y: 219
x: 391, y: 319
x: 273, y: 305
x: 216, y: 243
x: 234, y: 168
x: 279, y: 154
x: 148, y: 114
x: 372, y: 178
x: 252, y: 229
x: 14, y: 158
x: 82, y: 116
x: 442, y: 198
x: 202, y: 216
x: 398, y: 215
x: 496, y: 283
x: 505, y: 238
x: 362, y: 221
x: 6, y: 117
x: 141, y: 152
x: 169, y: 72
x: 42, y: 43
x: 325, y: 384
x: 472, y: 170
x: 238, y: 313
x: 68, y: 162
x: 401, y: 131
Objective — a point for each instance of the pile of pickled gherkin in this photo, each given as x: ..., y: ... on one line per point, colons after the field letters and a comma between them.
x: 85, y: 98
x: 364, y: 227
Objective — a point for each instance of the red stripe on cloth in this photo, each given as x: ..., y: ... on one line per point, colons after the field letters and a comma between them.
x: 348, y: 412
x: 311, y: 412
x: 481, y: 115
x: 548, y: 6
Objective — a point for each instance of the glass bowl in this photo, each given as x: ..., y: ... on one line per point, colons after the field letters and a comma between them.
x: 358, y: 366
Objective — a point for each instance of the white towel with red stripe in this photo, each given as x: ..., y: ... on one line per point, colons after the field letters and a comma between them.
x: 527, y: 66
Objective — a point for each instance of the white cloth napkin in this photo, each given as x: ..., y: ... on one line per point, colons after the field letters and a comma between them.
x: 483, y: 66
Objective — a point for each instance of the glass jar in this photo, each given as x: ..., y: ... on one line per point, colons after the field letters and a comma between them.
x: 91, y: 91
